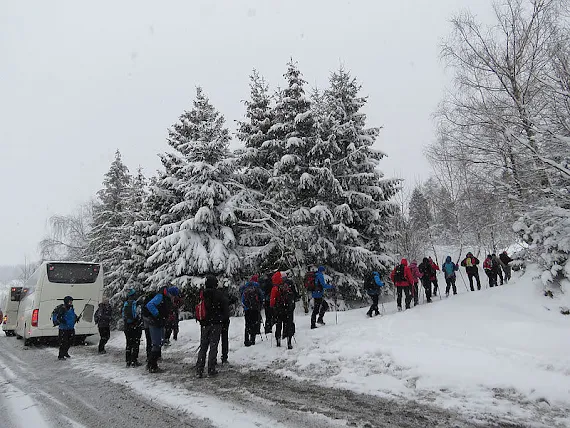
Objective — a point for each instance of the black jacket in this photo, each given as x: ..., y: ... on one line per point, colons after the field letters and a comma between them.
x: 103, y: 315
x: 217, y: 307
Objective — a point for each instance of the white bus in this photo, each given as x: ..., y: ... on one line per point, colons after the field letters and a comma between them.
x: 47, y: 287
x: 10, y: 310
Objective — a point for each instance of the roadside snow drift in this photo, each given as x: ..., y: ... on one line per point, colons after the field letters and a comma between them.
x: 502, y: 351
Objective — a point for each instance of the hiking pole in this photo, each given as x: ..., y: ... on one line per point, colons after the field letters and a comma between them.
x: 463, y: 279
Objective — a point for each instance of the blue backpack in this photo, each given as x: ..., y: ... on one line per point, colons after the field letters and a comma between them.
x: 377, y: 279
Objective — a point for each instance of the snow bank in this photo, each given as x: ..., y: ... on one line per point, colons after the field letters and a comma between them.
x: 501, y: 351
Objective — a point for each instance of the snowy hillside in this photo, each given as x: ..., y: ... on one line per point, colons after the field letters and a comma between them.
x: 499, y: 352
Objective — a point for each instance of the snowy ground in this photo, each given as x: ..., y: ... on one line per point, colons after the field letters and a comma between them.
x: 497, y: 358
x: 496, y: 354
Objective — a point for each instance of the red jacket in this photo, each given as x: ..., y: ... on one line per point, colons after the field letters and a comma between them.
x: 407, y: 274
x: 435, y: 268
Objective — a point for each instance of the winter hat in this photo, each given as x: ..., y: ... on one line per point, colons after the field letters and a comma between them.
x: 414, y: 262
x: 425, y: 260
x: 255, y: 278
x: 211, y: 281
x: 67, y: 300
x: 470, y: 254
x: 321, y: 268
x: 173, y: 291
x: 277, y: 279
x: 131, y: 292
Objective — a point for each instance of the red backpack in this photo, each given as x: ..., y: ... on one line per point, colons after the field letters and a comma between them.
x: 201, y: 308
x: 310, y: 281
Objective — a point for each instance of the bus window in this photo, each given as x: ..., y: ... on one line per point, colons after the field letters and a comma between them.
x: 72, y: 273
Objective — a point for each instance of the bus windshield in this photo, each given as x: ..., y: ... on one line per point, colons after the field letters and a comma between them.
x: 72, y: 273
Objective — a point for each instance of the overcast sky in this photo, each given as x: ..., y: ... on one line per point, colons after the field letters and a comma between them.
x: 81, y: 79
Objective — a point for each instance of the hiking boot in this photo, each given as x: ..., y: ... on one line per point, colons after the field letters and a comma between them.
x: 447, y: 294
x: 247, y: 343
x: 61, y: 358
x: 128, y: 363
x: 377, y: 313
x: 213, y: 372
x: 224, y: 361
x: 313, y: 326
x: 136, y: 364
x: 369, y: 314
x: 289, y: 344
x: 278, y: 343
x: 156, y: 370
x: 67, y: 356
x: 320, y: 321
x: 429, y: 300
x: 102, y: 351
x: 399, y: 308
x: 199, y: 374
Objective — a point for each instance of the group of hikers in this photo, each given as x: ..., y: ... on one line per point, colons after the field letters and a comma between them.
x: 406, y: 277
x: 157, y: 314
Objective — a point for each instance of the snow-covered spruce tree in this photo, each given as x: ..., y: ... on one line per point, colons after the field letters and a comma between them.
x: 195, y: 235
x: 420, y: 216
x: 255, y: 167
x: 109, y: 236
x: 362, y: 210
x: 133, y: 266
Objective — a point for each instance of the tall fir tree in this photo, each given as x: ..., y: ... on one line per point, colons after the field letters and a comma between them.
x: 356, y: 221
x: 196, y: 234
x: 109, y: 236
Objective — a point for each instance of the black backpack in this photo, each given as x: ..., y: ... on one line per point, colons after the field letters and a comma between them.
x: 251, y: 298
x: 399, y: 274
x: 144, y: 311
x: 369, y: 283
x: 57, y: 315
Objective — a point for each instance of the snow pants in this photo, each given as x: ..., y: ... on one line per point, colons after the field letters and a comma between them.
x: 156, y: 336
x: 320, y: 306
x: 105, y: 335
x: 435, y: 286
x: 475, y: 275
x: 252, y: 321
x: 284, y: 326
x: 133, y: 339
x: 268, y: 318
x: 65, y: 338
x: 225, y: 340
x: 492, y: 275
x: 407, y: 290
x: 209, y: 339
x: 450, y: 283
x: 374, y: 306
x: 507, y: 271
x: 416, y: 293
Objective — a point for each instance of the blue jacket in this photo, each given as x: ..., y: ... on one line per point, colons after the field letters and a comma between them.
x: 320, y: 284
x: 449, y: 268
x: 68, y: 320
x: 259, y: 292
x: 152, y: 306
x: 376, y: 290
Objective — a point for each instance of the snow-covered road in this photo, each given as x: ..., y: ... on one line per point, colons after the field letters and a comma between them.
x: 91, y: 390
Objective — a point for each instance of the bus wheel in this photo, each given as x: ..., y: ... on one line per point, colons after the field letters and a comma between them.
x: 27, y: 342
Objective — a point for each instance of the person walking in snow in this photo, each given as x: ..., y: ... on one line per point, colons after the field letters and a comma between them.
x: 320, y: 305
x: 224, y: 338
x: 282, y: 300
x: 433, y: 277
x: 373, y: 284
x: 64, y: 317
x: 171, y: 327
x: 497, y: 262
x: 505, y: 265
x: 102, y: 318
x: 133, y: 329
x: 266, y: 286
x: 427, y: 271
x: 449, y: 268
x: 470, y: 263
x: 158, y: 308
x: 417, y: 276
x: 252, y: 299
x: 403, y: 279
x: 217, y: 310
x: 491, y: 269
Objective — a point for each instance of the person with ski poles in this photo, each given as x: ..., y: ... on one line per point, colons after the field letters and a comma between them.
x: 491, y: 269
x: 433, y: 277
x: 252, y: 299
x: 505, y: 259
x: 283, y: 297
x: 470, y: 262
x: 320, y: 305
x: 427, y: 271
x: 373, y: 284
x: 449, y: 268
x: 417, y: 276
x: 403, y: 279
